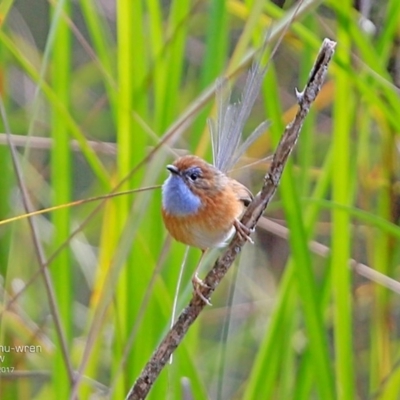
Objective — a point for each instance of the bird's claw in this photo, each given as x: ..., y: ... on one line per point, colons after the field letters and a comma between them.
x: 243, y: 231
x: 197, y: 283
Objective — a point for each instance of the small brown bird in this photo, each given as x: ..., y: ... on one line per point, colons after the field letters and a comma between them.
x: 201, y: 206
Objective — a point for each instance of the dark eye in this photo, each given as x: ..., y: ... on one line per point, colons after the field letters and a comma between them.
x: 194, y: 174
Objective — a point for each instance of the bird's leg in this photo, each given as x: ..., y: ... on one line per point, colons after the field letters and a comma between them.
x: 243, y: 231
x: 197, y: 282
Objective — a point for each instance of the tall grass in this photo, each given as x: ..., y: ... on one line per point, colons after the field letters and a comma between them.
x: 286, y: 323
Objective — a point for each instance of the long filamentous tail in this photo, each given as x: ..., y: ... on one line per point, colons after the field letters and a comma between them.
x: 226, y: 130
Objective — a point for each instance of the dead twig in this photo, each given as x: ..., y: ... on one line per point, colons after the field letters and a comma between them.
x: 255, y: 210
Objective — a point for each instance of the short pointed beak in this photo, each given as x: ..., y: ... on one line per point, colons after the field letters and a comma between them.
x: 174, y: 170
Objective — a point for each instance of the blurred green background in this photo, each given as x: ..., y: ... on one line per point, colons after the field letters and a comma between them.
x: 102, y: 95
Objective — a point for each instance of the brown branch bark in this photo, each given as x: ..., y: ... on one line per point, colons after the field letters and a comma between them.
x: 255, y: 210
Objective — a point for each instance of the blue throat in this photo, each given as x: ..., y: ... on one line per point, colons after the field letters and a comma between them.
x: 177, y: 198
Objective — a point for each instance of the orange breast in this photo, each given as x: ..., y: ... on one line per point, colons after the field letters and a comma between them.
x: 211, y: 225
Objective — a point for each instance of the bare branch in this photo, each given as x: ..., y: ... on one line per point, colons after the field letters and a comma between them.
x: 255, y: 210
